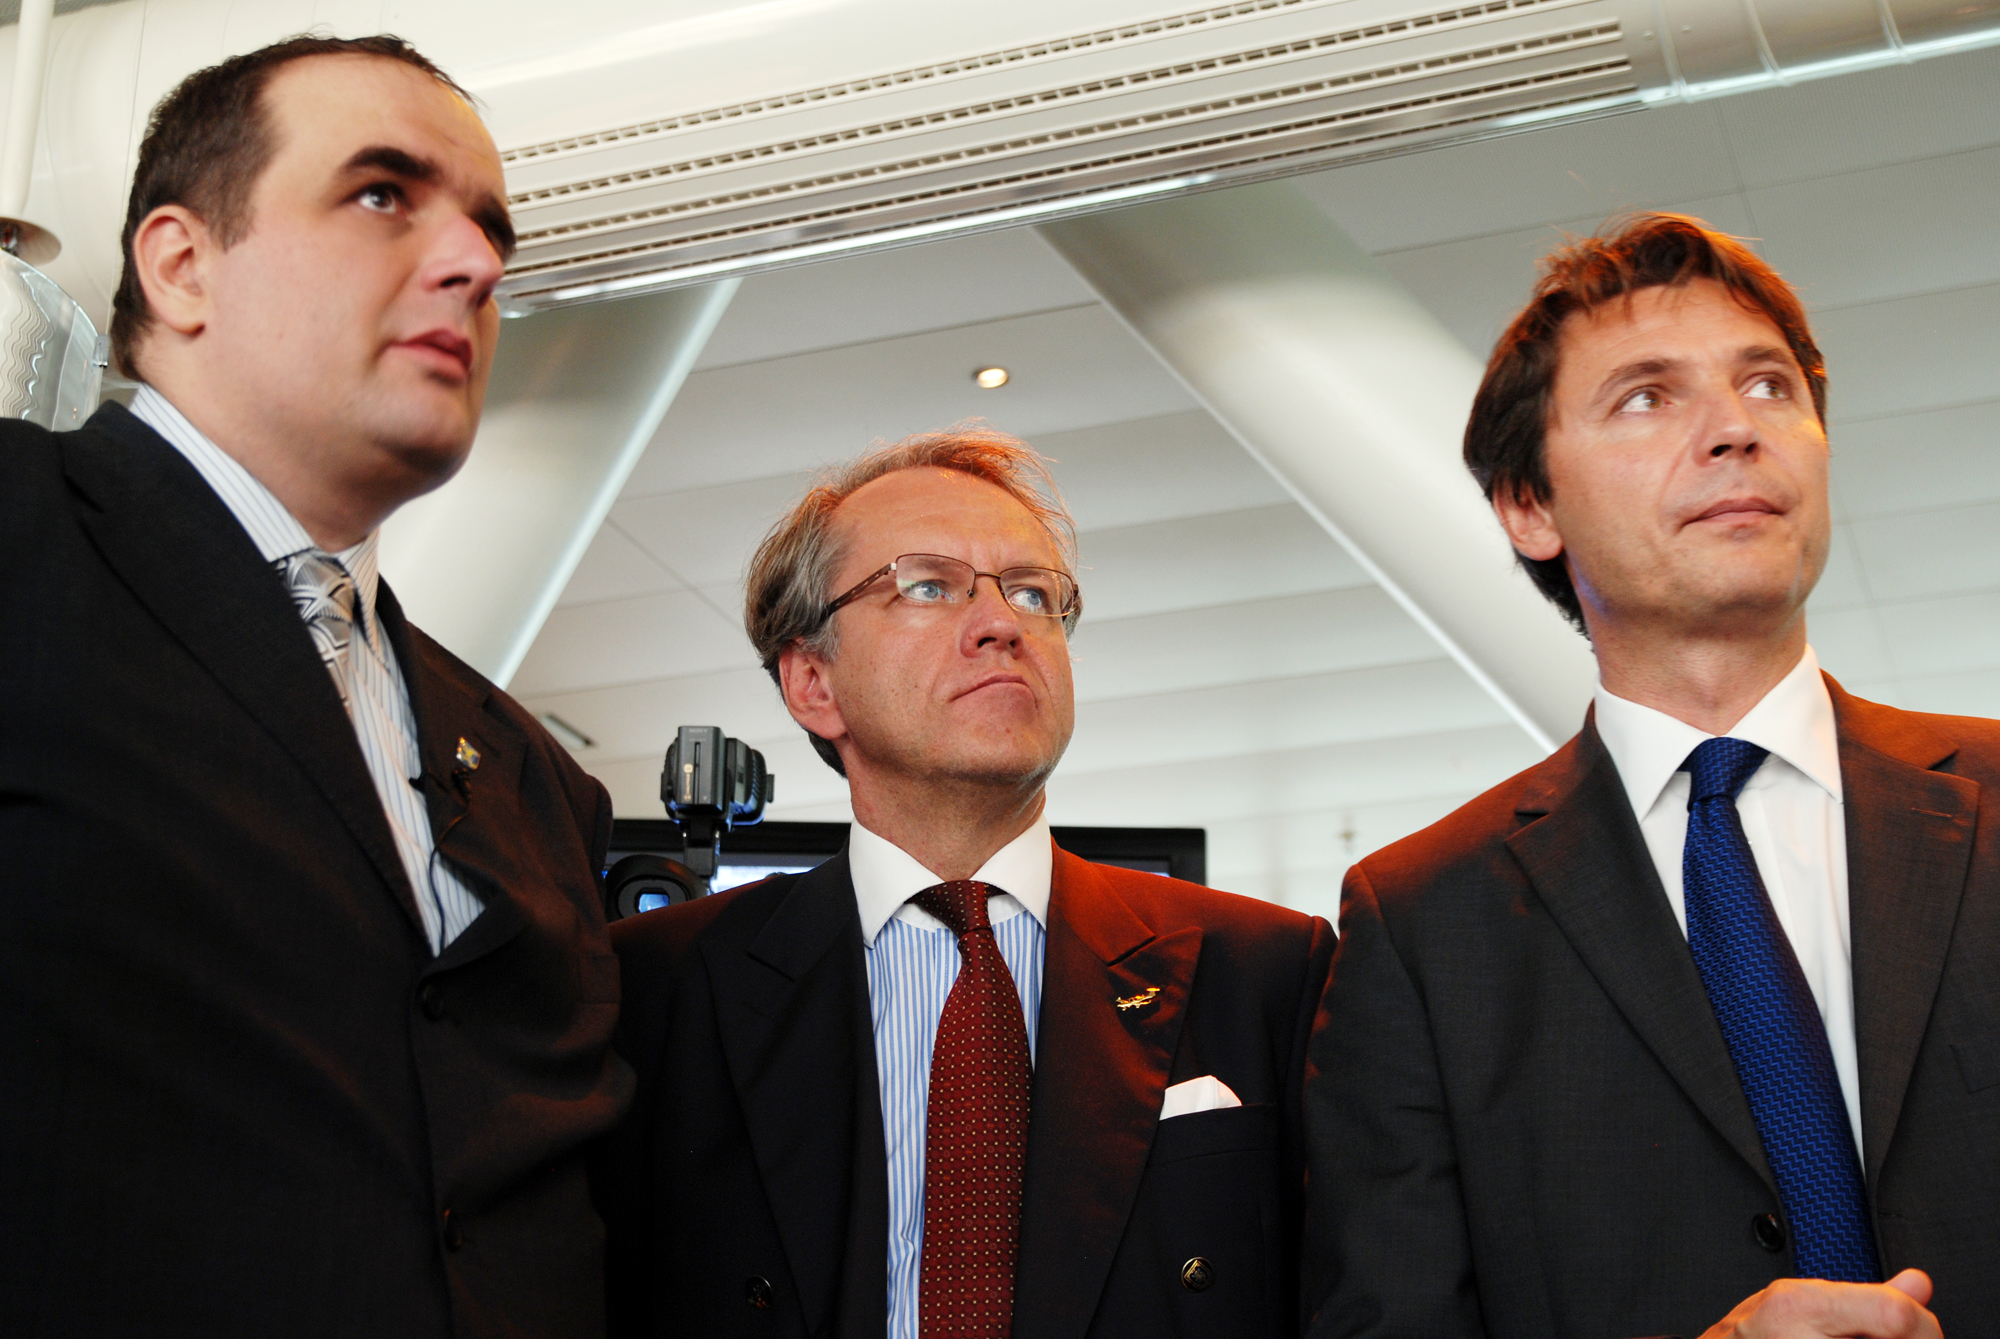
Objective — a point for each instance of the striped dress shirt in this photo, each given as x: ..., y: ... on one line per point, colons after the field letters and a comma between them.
x: 378, y: 700
x: 912, y: 962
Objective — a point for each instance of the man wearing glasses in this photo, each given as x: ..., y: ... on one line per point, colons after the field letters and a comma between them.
x: 955, y: 1081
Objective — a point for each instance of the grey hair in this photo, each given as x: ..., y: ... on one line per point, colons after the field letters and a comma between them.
x: 791, y: 575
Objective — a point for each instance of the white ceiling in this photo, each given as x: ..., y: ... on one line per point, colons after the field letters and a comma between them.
x: 1235, y: 670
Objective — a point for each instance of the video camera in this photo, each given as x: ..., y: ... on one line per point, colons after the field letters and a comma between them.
x: 710, y: 785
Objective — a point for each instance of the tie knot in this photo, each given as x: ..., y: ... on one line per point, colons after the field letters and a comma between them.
x: 319, y: 585
x: 1719, y: 767
x: 960, y: 904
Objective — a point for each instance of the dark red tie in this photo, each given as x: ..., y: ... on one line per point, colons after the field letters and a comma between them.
x: 976, y: 1132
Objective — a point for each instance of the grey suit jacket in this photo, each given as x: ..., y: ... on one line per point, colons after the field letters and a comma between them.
x: 1522, y: 1117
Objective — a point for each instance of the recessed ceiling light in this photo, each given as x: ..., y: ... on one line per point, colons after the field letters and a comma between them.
x: 990, y: 378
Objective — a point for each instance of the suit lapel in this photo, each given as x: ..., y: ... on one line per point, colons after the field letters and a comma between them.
x: 185, y: 557
x: 1587, y: 860
x: 792, y: 1008
x: 468, y: 806
x: 1909, y: 846
x: 1100, y: 1078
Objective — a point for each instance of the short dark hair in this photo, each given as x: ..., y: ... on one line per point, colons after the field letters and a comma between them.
x: 1506, y: 435
x: 206, y: 145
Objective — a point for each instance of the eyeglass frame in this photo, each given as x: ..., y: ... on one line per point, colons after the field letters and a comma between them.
x: 860, y: 588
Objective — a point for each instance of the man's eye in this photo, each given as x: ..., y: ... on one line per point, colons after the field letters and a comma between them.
x: 380, y: 199
x: 1030, y: 599
x: 1770, y: 388
x: 926, y: 592
x: 1640, y: 402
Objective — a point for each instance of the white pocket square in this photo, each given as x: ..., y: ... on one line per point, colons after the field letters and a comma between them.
x: 1206, y: 1093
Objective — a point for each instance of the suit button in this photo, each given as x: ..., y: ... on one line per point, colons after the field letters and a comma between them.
x: 1197, y: 1275
x: 431, y: 1000
x: 757, y: 1292
x: 453, y: 1236
x: 1769, y: 1232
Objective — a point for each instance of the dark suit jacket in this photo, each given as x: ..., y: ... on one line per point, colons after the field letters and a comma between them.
x: 237, y: 1093
x: 755, y: 1149
x: 1524, y: 1119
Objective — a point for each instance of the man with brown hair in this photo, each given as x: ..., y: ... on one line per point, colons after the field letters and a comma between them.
x: 955, y: 1081
x: 1692, y: 1026
x: 306, y: 997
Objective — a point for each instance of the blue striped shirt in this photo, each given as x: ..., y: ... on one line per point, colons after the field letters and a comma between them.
x: 379, y: 702
x: 912, y: 962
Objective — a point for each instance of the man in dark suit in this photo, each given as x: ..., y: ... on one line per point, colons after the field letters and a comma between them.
x: 1694, y: 1024
x: 306, y: 998
x: 954, y: 1081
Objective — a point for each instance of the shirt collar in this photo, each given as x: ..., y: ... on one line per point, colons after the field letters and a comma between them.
x: 270, y: 525
x: 886, y: 876
x: 1794, y: 722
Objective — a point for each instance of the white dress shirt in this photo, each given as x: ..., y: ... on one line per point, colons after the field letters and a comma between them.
x: 379, y: 701
x: 1793, y: 816
x: 912, y: 962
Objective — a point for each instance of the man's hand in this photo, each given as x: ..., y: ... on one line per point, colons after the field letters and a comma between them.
x: 1815, y: 1309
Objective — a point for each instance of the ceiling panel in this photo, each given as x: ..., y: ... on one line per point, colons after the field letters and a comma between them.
x: 1234, y: 643
x: 1155, y: 469
x: 1970, y: 694
x: 1584, y: 171
x: 1477, y: 285
x: 1842, y: 584
x: 705, y: 535
x: 624, y: 641
x: 1951, y: 635
x: 1071, y: 369
x: 1853, y: 237
x: 963, y: 281
x: 1196, y: 561
x: 1913, y: 353
x: 1942, y: 105
x: 1850, y: 644
x: 1938, y: 552
x: 614, y: 567
x: 1929, y: 458
x: 1341, y: 707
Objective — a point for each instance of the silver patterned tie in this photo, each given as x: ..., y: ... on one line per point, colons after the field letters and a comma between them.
x: 324, y: 594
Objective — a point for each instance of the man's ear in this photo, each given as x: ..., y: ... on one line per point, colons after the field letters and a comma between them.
x: 808, y: 690
x: 1530, y: 527
x: 171, y: 252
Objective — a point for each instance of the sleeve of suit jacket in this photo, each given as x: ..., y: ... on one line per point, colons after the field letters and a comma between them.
x: 1386, y: 1247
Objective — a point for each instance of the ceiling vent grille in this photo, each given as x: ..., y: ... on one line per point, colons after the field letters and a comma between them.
x: 1189, y: 100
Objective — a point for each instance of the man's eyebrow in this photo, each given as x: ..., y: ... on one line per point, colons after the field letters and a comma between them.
x: 1766, y: 353
x: 490, y: 213
x: 397, y: 162
x: 1635, y: 370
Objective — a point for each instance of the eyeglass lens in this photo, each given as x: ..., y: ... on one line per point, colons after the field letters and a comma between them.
x: 924, y: 578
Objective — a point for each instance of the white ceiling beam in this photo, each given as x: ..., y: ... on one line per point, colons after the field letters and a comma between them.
x: 575, y: 398
x: 1354, y: 397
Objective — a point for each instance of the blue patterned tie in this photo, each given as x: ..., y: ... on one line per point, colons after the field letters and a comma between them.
x: 1772, y: 1025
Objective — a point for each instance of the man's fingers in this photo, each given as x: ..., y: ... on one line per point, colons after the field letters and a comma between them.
x: 1816, y: 1309
x: 1916, y: 1283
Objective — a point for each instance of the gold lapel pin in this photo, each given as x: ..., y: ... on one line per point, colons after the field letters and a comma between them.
x: 468, y: 756
x: 1139, y: 1001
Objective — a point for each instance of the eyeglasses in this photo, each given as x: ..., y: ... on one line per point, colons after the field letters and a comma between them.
x: 928, y: 579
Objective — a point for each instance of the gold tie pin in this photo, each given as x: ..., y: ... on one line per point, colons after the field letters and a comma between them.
x: 1139, y: 1001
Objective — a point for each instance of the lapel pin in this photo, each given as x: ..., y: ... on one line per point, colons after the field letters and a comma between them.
x: 1139, y: 1001
x: 468, y: 756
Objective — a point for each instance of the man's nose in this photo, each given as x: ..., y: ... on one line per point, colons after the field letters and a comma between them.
x: 993, y: 617
x: 1727, y: 426
x: 463, y: 260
